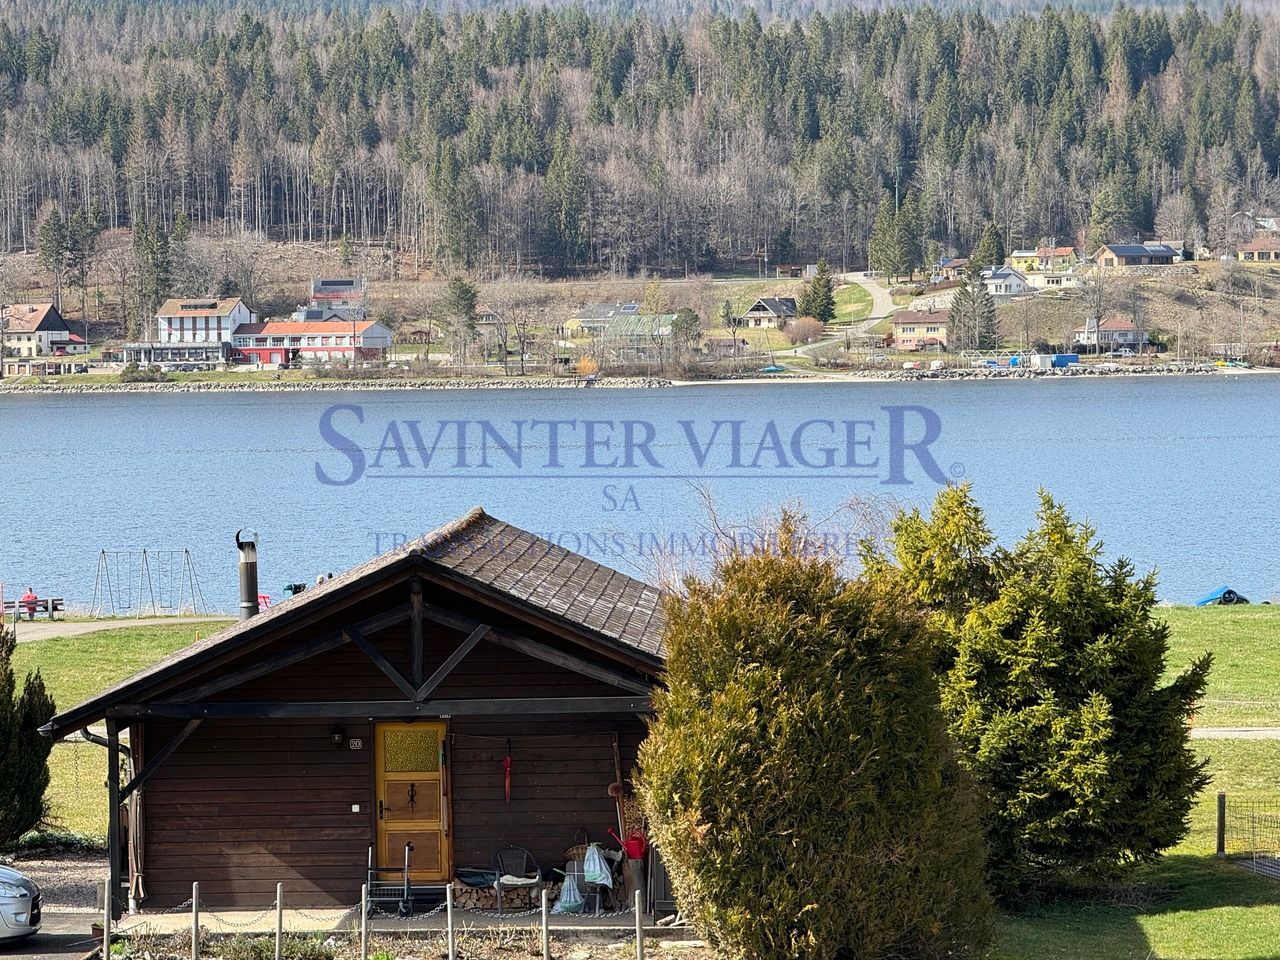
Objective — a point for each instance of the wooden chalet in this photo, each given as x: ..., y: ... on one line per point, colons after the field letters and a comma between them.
x: 376, y: 709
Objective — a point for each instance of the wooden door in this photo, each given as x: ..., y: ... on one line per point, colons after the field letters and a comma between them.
x: 412, y: 780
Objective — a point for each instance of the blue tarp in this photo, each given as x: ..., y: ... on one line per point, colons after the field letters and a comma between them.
x: 1212, y: 597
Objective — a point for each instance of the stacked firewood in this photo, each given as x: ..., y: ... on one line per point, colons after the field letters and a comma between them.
x: 513, y: 898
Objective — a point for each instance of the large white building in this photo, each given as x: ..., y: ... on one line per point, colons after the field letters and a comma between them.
x: 196, y: 320
x: 38, y: 330
x: 288, y: 341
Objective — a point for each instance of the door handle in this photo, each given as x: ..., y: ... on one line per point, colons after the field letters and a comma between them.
x: 379, y: 809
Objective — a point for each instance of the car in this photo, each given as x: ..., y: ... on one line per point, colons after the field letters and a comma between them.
x: 1122, y: 352
x: 773, y: 368
x: 878, y: 358
x: 19, y: 905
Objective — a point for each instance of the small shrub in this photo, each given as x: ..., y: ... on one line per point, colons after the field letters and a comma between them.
x: 797, y: 776
x: 132, y: 373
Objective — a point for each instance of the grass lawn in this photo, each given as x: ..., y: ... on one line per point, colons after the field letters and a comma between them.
x: 75, y: 668
x: 1244, y: 685
x: 853, y: 303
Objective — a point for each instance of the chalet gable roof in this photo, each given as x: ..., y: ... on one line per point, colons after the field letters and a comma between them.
x: 33, y: 318
x: 481, y: 552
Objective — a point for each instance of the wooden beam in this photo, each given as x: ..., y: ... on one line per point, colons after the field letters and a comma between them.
x: 383, y: 664
x: 323, y: 644
x: 541, y: 651
x: 455, y: 658
x: 382, y: 709
x: 419, y: 644
x: 113, y: 817
x: 161, y: 756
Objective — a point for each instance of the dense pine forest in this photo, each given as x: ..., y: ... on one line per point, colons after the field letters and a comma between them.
x: 569, y: 139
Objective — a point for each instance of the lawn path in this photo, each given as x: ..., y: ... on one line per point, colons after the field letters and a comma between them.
x: 32, y: 630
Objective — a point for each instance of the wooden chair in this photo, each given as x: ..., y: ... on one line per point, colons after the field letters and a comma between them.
x: 516, y: 868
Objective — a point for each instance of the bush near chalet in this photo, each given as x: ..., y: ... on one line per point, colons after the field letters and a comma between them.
x: 1051, y: 667
x: 797, y: 776
x: 24, y: 751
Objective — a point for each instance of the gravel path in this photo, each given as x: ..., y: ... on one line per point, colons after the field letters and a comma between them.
x: 30, y: 630
x: 68, y: 882
x: 1235, y: 733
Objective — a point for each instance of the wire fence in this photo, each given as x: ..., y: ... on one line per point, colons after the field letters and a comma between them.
x: 1249, y: 833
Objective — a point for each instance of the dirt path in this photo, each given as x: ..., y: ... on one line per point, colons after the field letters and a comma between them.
x: 1235, y: 733
x: 30, y: 630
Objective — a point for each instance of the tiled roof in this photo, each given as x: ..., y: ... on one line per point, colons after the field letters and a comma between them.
x: 480, y: 549
x: 1267, y: 240
x: 280, y: 328
x: 33, y: 317
x: 197, y: 307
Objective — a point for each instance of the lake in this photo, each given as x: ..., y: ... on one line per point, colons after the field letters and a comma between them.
x: 1176, y: 473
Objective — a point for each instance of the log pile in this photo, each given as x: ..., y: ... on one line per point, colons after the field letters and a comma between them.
x: 519, y: 898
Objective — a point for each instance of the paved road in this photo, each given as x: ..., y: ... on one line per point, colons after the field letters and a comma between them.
x: 62, y: 936
x: 29, y: 630
x: 1235, y: 733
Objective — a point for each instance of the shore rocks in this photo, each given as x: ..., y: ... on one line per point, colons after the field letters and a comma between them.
x: 322, y: 385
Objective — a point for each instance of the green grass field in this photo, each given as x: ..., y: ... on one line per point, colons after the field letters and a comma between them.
x: 853, y: 303
x: 1188, y: 906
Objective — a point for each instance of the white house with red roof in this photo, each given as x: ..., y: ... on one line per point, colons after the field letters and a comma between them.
x: 291, y: 341
x: 38, y: 330
x: 1112, y: 332
x: 200, y: 319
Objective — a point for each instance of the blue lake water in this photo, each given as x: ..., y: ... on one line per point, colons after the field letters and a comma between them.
x: 1177, y: 473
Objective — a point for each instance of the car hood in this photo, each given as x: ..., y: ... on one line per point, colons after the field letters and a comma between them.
x: 9, y: 875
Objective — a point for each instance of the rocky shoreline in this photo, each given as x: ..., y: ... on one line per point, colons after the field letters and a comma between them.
x: 322, y: 385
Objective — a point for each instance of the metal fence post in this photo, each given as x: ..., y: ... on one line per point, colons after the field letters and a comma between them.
x: 279, y: 920
x: 546, y: 923
x: 106, y: 919
x: 364, y: 921
x: 195, y: 921
x: 639, y: 925
x: 448, y: 910
x: 1222, y: 823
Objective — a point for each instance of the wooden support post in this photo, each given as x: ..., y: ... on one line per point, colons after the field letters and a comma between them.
x: 639, y: 925
x: 416, y: 632
x: 448, y: 918
x: 364, y: 921
x: 1222, y: 823
x: 195, y: 921
x: 113, y: 819
x: 546, y: 923
x: 279, y: 921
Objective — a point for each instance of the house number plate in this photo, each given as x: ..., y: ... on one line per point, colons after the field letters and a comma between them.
x: 355, y: 743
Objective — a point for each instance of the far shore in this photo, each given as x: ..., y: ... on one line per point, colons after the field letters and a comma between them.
x: 949, y: 375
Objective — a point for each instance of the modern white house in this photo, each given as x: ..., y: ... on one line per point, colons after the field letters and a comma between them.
x: 38, y: 330
x: 1006, y: 282
x: 1110, y: 333
x: 288, y: 341
x: 344, y: 296
x: 1065, y: 280
x: 200, y: 320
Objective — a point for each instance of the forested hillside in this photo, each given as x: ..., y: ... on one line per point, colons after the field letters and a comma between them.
x: 558, y: 139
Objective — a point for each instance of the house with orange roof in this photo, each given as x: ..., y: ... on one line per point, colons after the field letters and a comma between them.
x: 1263, y: 248
x: 37, y: 330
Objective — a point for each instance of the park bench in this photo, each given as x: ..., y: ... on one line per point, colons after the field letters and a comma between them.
x: 45, y: 605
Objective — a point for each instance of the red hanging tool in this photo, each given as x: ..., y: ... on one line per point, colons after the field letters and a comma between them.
x: 506, y: 767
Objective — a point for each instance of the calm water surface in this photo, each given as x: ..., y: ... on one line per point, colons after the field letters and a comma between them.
x: 1176, y: 473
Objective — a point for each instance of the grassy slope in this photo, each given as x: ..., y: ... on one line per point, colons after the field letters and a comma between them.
x: 853, y: 303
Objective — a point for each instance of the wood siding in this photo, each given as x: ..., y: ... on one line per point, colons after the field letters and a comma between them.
x: 244, y: 804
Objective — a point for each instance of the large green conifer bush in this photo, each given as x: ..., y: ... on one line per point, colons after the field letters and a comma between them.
x: 24, y: 751
x: 798, y: 779
x: 1052, y: 666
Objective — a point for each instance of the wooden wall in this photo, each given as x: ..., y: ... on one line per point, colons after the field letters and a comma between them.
x: 244, y: 804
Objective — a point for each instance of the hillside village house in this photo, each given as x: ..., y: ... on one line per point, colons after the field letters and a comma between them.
x: 592, y: 319
x: 768, y: 312
x: 920, y: 330
x: 195, y: 320
x: 474, y: 689
x: 287, y: 341
x: 952, y: 268
x: 1044, y: 259
x: 1112, y: 332
x: 1263, y: 248
x: 38, y: 330
x: 1042, y: 280
x: 1006, y: 282
x: 345, y: 296
x: 1116, y: 255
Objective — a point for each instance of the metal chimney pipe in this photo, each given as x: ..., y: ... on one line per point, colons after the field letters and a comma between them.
x: 248, y: 548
